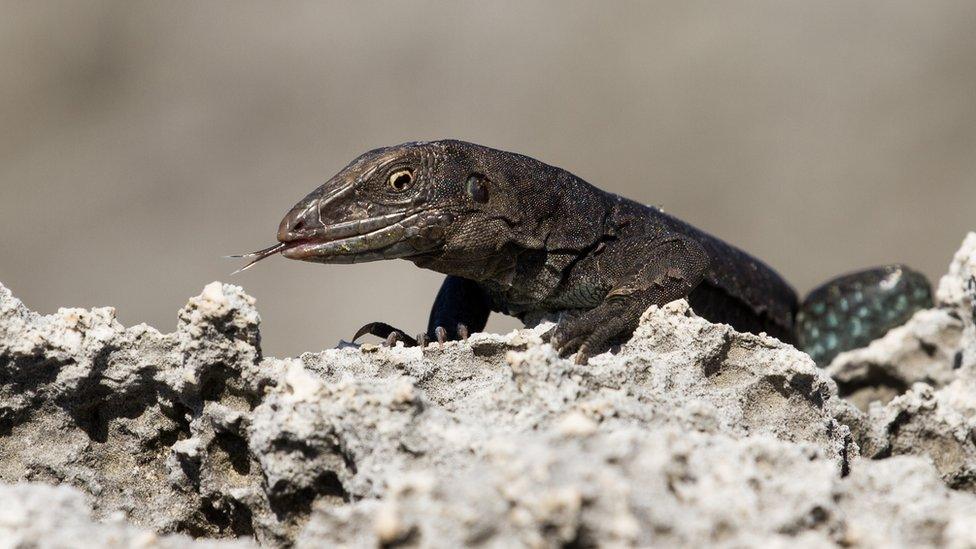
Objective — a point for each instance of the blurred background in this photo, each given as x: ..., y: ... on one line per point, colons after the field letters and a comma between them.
x: 142, y: 141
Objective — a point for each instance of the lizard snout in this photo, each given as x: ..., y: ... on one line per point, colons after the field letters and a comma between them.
x: 298, y: 223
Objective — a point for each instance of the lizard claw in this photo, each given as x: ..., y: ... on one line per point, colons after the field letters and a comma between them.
x: 581, y: 356
x: 392, y: 335
x: 595, y: 332
x: 569, y: 347
x: 384, y: 330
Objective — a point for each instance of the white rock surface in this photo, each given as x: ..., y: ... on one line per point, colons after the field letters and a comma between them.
x: 691, y: 434
x: 42, y: 516
x: 932, y: 348
x: 922, y: 380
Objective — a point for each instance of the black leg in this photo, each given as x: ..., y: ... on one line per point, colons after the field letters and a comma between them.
x: 461, y: 308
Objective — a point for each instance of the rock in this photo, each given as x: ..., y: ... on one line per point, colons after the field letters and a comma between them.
x: 927, y: 349
x: 901, y: 502
x: 149, y: 424
x: 930, y: 348
x: 922, y: 381
x: 957, y: 289
x: 691, y: 434
x: 663, y: 487
x: 924, y: 421
x: 37, y: 515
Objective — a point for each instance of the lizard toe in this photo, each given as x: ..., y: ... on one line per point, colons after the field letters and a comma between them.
x: 570, y: 334
x: 570, y: 346
x: 392, y: 339
x: 567, y: 332
x: 582, y: 356
x: 603, y: 338
x: 390, y: 334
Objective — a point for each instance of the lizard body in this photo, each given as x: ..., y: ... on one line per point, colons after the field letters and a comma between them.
x: 520, y: 237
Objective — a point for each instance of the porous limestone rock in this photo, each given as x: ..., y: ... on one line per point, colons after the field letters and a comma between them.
x: 932, y: 347
x: 926, y: 349
x: 925, y: 373
x: 42, y: 516
x: 691, y: 434
x: 938, y: 423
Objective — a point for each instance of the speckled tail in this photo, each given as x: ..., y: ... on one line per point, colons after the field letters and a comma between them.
x: 852, y: 310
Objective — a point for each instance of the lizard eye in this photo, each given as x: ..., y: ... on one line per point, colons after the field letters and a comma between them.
x: 401, y: 180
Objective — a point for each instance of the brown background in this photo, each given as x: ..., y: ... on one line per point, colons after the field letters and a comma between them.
x: 142, y: 141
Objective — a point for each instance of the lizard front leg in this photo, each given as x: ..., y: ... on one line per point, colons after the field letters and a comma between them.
x: 668, y: 269
x: 460, y: 308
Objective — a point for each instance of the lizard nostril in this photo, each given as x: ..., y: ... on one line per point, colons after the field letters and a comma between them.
x: 298, y: 226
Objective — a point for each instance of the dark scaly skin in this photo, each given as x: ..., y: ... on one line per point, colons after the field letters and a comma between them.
x: 520, y: 237
x: 854, y: 310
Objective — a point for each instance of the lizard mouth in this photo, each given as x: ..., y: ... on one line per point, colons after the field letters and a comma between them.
x: 380, y: 237
x: 372, y: 239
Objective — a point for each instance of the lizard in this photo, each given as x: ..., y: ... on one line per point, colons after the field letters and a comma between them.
x: 517, y: 236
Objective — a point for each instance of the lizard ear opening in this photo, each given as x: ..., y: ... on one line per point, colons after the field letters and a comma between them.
x: 477, y: 188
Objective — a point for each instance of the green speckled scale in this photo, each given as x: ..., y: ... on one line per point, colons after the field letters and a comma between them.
x: 852, y: 310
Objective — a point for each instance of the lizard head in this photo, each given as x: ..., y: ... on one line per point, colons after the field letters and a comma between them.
x: 421, y: 201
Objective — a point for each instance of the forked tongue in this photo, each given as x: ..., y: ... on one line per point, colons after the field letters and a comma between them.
x: 257, y: 256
